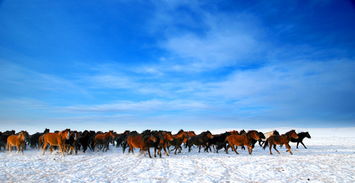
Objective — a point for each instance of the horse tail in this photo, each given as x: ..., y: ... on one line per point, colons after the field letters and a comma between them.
x: 266, y: 143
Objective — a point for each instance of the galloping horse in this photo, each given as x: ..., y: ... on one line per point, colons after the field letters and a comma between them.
x: 17, y: 141
x: 164, y: 139
x: 300, y: 138
x: 103, y: 140
x: 199, y: 140
x: 141, y: 141
x: 274, y: 140
x: 242, y: 140
x: 178, y: 140
x: 56, y: 139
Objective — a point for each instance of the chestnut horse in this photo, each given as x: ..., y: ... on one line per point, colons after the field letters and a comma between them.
x: 103, y: 140
x: 274, y: 140
x: 56, y: 139
x: 141, y: 141
x: 17, y: 141
x: 242, y: 140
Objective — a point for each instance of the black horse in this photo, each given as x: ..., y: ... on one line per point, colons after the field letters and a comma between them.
x: 3, y: 138
x: 34, y: 139
x: 199, y: 140
x: 218, y: 141
x: 301, y: 136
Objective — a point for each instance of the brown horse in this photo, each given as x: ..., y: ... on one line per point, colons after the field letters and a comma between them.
x: 56, y: 139
x: 165, y: 138
x: 189, y: 135
x: 242, y: 140
x: 103, y: 140
x: 17, y: 141
x: 141, y: 141
x: 274, y: 140
x: 178, y: 140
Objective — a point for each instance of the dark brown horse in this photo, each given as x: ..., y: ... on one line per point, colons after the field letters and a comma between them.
x: 300, y: 138
x: 199, y: 140
x: 243, y: 140
x: 140, y: 141
x: 284, y: 139
x: 56, y: 139
x: 102, y: 141
x: 17, y: 141
x: 178, y: 139
x: 164, y: 139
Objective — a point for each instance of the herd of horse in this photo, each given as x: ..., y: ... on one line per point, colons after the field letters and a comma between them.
x: 69, y: 142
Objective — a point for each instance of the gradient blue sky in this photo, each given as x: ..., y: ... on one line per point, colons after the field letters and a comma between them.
x: 176, y: 64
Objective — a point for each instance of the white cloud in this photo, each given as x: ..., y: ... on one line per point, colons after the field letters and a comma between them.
x: 147, y: 105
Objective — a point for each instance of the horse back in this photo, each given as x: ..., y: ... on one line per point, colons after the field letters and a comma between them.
x: 51, y: 138
x: 13, y: 140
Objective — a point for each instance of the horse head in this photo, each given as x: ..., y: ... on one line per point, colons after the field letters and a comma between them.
x: 308, y: 135
x: 168, y: 136
x: 253, y: 134
x: 261, y: 135
x: 209, y: 135
x: 292, y: 134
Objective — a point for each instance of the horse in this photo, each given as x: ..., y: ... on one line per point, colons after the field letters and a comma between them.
x: 262, y: 136
x: 242, y: 140
x: 300, y: 138
x: 34, y: 139
x: 84, y: 140
x: 17, y: 141
x: 4, y: 136
x: 199, y: 140
x: 189, y: 135
x: 178, y: 140
x: 164, y: 139
x: 274, y: 140
x: 56, y: 139
x: 103, y: 140
x: 219, y: 141
x: 72, y: 143
x: 141, y: 141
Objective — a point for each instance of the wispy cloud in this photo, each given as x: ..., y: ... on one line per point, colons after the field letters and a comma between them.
x: 148, y: 105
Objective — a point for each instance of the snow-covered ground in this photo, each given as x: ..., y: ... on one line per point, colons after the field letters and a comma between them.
x: 327, y: 159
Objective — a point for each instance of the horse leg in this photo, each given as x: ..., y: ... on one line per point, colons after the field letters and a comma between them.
x: 303, y: 145
x: 276, y: 149
x: 270, y: 146
x: 250, y: 149
x: 288, y: 148
x: 149, y: 153
x: 297, y: 144
x: 166, y: 152
x: 199, y: 148
x: 234, y: 149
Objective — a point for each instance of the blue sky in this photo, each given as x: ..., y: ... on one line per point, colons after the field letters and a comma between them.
x: 176, y: 64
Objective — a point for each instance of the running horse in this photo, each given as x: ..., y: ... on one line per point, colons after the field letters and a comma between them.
x: 178, y: 139
x: 56, y: 139
x: 17, y: 141
x: 104, y: 140
x: 274, y: 140
x: 141, y: 141
x: 242, y: 140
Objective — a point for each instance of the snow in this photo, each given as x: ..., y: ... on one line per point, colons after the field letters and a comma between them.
x: 327, y: 159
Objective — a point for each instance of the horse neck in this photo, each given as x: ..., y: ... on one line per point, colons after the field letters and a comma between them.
x: 21, y: 137
x: 287, y: 135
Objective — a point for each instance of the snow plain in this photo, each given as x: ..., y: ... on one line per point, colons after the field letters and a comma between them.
x: 328, y: 158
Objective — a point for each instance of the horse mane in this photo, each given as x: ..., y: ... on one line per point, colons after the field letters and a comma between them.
x: 180, y: 131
